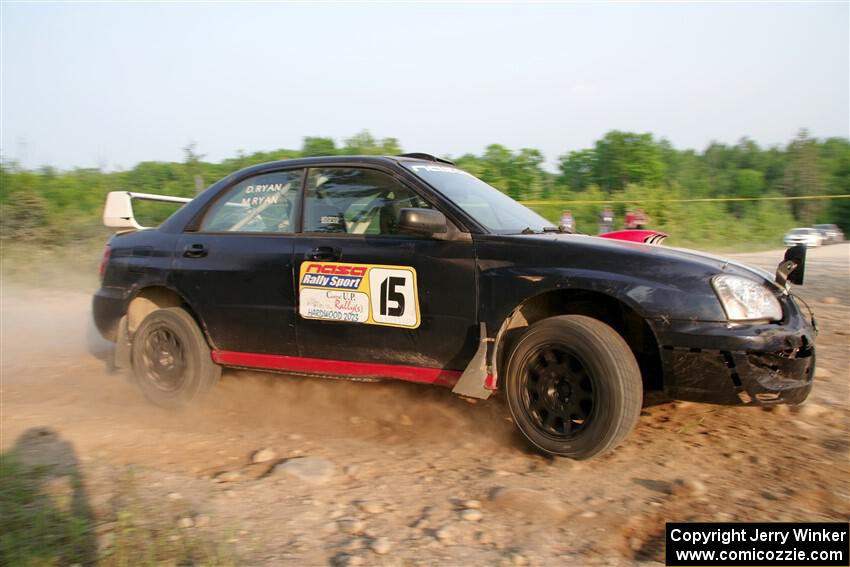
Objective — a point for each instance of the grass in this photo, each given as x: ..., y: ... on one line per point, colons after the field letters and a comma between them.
x: 710, y: 230
x: 146, y: 536
x: 72, y: 266
x: 39, y: 527
x: 35, y: 530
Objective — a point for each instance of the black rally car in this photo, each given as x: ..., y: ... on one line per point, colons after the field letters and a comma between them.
x: 410, y: 268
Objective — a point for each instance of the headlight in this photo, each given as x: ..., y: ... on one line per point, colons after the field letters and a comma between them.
x: 745, y: 300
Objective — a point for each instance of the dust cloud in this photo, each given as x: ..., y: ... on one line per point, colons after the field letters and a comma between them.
x: 48, y: 340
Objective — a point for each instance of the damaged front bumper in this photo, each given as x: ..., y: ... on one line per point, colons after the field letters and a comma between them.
x: 739, y: 364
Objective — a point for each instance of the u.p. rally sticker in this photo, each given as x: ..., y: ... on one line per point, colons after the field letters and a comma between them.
x: 359, y: 293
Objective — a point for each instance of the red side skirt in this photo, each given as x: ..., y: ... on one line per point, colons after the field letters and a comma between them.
x: 436, y: 376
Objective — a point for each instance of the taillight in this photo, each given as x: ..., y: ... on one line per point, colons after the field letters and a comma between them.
x: 104, y: 261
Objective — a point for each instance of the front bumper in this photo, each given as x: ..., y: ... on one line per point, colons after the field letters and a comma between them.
x: 756, y: 364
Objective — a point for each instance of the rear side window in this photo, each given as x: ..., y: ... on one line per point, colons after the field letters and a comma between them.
x: 262, y: 203
x: 356, y: 201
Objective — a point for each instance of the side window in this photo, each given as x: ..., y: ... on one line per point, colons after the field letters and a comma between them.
x: 262, y: 203
x: 355, y: 201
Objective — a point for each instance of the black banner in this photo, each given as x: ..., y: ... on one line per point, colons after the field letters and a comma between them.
x: 803, y: 544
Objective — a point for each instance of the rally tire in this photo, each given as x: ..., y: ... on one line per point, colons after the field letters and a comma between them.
x: 172, y: 364
x: 573, y: 386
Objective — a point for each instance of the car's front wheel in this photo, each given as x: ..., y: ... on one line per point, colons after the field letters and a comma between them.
x: 171, y: 360
x: 573, y: 386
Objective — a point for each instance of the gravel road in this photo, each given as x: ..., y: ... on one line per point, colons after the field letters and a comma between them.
x: 290, y: 470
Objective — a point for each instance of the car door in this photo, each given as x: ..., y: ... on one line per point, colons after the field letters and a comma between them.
x: 367, y: 292
x: 236, y: 269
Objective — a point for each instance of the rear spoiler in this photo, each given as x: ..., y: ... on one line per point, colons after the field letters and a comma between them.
x: 118, y: 212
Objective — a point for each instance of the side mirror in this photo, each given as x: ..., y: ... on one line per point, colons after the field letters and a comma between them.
x: 426, y: 222
x: 793, y: 267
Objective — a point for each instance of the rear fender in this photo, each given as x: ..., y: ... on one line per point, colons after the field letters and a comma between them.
x: 140, y: 293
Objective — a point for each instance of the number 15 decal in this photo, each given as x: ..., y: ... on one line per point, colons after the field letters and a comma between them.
x: 390, y: 293
x: 393, y: 297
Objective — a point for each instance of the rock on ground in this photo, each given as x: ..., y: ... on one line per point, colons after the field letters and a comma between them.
x: 315, y: 470
x: 381, y: 546
x: 812, y: 410
x: 264, y: 455
x: 527, y: 502
x: 688, y: 487
x: 823, y: 373
x: 370, y: 507
x: 228, y: 476
x: 185, y: 523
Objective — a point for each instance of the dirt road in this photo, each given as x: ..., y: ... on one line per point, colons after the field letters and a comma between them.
x: 400, y: 474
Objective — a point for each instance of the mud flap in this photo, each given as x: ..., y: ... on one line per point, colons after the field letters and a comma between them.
x: 472, y: 381
x: 121, y: 356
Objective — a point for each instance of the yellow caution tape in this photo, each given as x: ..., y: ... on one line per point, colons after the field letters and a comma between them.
x: 699, y: 200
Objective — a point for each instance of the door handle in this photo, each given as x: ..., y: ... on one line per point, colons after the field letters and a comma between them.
x: 195, y: 251
x: 324, y: 253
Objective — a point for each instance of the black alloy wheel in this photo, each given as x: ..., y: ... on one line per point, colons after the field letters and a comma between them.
x: 164, y: 359
x: 573, y: 386
x: 558, y: 391
x: 172, y: 363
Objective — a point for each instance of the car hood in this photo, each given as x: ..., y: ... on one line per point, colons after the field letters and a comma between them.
x: 725, y: 262
x: 656, y: 281
x: 649, y: 252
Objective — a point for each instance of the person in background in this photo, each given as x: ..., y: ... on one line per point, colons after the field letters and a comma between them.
x: 641, y: 219
x: 629, y: 220
x: 606, y: 220
x: 567, y: 221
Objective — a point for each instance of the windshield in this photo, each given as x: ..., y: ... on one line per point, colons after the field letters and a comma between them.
x: 801, y: 231
x: 492, y: 209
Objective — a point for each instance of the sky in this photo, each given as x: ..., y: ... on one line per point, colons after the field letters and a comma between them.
x: 112, y: 84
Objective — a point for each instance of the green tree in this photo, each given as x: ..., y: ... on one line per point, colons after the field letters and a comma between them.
x: 528, y: 180
x: 803, y: 176
x: 390, y: 147
x: 24, y: 215
x: 747, y: 184
x: 497, y: 167
x: 835, y: 160
x: 577, y: 169
x: 363, y: 143
x: 622, y: 158
x: 47, y: 205
x: 318, y: 146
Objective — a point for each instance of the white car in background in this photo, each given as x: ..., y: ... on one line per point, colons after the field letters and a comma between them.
x: 808, y: 236
x: 830, y: 232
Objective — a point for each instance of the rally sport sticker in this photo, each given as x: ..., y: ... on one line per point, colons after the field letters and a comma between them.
x: 359, y: 293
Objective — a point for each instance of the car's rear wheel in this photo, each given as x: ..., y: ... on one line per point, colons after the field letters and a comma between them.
x: 573, y: 386
x: 171, y: 360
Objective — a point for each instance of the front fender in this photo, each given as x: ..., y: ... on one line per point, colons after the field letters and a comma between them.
x: 505, y: 289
